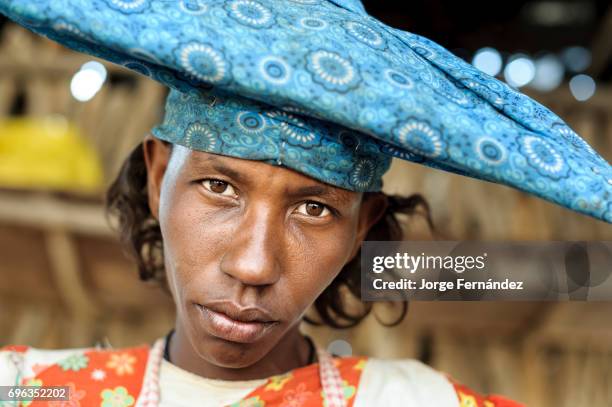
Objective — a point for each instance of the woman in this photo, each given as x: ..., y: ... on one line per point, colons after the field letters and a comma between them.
x: 247, y: 248
x: 251, y: 199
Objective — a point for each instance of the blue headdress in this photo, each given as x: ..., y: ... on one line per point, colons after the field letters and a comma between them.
x: 325, y: 89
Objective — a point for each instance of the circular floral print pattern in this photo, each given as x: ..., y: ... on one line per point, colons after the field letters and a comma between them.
x: 348, y: 139
x: 201, y: 136
x: 452, y: 92
x: 194, y: 7
x: 251, y: 122
x: 295, y: 109
x: 571, y: 136
x: 74, y: 362
x: 420, y: 138
x: 138, y: 67
x: 365, y: 34
x: 295, y: 129
x: 363, y: 173
x: 274, y: 70
x: 313, y: 23
x: 541, y: 155
x: 250, y: 12
x: 203, y: 62
x: 398, y: 79
x: 402, y: 153
x: 490, y: 151
x: 117, y: 397
x: 424, y: 52
x: 128, y: 6
x: 67, y: 29
x: 332, y: 71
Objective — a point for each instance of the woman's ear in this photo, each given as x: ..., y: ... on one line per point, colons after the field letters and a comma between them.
x: 156, y: 155
x: 373, y: 208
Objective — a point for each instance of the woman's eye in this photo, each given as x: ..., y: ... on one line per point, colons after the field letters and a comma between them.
x: 219, y: 187
x: 313, y: 209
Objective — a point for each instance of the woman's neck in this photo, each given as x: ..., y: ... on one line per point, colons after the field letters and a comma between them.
x: 292, y: 352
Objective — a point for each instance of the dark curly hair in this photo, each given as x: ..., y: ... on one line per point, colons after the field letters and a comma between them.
x: 139, y: 231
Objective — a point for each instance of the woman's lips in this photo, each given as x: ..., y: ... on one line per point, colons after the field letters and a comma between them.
x: 245, y: 328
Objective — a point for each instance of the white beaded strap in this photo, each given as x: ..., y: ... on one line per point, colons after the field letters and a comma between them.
x: 149, y: 395
x: 331, y: 381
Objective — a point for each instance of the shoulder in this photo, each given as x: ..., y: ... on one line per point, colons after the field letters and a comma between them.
x: 84, y: 370
x: 411, y: 382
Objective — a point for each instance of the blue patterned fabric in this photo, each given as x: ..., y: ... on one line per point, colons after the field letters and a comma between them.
x: 325, y: 89
x: 240, y: 127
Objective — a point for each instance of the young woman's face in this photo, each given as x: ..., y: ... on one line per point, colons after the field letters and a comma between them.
x: 248, y: 246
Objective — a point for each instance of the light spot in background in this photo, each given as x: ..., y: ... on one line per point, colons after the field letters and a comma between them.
x: 340, y: 347
x: 582, y: 87
x: 519, y: 71
x: 488, y: 60
x: 95, y: 66
x: 88, y: 81
x: 549, y: 72
x: 576, y: 59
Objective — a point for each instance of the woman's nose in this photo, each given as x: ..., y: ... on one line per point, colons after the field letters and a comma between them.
x: 252, y: 255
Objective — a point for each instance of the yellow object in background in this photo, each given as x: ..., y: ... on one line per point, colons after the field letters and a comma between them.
x: 47, y: 153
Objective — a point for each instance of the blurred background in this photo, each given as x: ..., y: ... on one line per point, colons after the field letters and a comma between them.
x: 67, y: 122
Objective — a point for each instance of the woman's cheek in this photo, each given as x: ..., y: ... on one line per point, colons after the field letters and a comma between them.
x: 193, y: 234
x: 195, y: 224
x: 318, y: 260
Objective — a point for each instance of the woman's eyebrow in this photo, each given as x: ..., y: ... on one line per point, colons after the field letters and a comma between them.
x: 227, y: 171
x: 318, y: 190
x: 206, y: 163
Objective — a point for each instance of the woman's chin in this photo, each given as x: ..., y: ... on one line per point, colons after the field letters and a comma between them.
x: 231, y: 355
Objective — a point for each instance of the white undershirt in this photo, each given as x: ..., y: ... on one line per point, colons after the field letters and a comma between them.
x: 180, y: 388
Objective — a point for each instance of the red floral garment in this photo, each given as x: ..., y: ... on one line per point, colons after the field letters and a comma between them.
x: 96, y: 377
x: 114, y: 378
x: 302, y: 388
x: 469, y: 398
